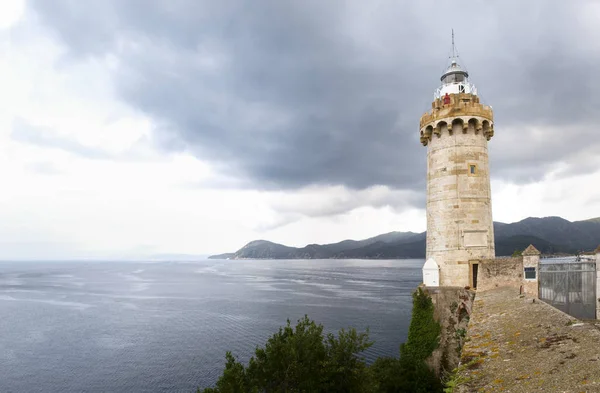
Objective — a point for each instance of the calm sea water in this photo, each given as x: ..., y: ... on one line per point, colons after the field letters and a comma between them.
x: 152, y: 327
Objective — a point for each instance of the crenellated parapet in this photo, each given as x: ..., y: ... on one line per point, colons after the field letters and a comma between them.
x: 464, y: 110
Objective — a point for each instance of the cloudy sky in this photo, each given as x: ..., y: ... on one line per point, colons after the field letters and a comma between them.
x: 140, y: 127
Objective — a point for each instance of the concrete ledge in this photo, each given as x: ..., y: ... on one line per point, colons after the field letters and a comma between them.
x: 519, y: 344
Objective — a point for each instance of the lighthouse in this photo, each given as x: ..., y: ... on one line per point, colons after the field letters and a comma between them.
x: 456, y: 132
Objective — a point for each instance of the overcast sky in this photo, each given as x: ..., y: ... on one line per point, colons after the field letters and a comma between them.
x: 139, y: 127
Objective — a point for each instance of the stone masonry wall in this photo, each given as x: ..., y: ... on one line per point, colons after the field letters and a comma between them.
x: 452, y: 310
x: 508, y: 272
x: 500, y: 272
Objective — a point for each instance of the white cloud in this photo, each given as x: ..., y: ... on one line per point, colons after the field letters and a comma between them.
x: 10, y: 12
x: 573, y: 198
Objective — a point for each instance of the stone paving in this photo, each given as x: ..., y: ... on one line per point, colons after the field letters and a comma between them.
x: 518, y: 344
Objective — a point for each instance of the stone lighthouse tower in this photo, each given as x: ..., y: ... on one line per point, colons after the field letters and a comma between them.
x: 456, y: 132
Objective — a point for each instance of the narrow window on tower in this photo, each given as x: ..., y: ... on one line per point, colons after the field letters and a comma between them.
x: 472, y: 169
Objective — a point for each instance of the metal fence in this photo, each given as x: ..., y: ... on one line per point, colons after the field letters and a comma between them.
x: 570, y: 287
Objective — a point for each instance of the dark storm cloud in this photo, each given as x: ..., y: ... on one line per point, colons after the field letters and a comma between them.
x: 289, y: 94
x: 338, y: 203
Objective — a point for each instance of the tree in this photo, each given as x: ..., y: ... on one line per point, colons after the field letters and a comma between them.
x: 517, y: 253
x: 388, y: 375
x: 233, y: 380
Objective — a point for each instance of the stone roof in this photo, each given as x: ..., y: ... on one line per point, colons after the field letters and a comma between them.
x: 531, y: 250
x: 597, y: 251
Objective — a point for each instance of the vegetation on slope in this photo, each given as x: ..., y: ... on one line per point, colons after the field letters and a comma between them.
x: 303, y: 359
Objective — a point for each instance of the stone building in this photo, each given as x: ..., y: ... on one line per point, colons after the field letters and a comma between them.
x: 456, y: 132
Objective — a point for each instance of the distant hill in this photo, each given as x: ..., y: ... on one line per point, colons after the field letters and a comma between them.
x: 563, y: 234
x: 263, y: 249
x: 550, y: 235
x: 505, y: 246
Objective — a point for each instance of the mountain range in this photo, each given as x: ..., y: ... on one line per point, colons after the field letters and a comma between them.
x: 550, y: 235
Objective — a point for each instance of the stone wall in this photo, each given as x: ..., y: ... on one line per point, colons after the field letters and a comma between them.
x: 509, y: 272
x: 452, y: 310
x: 500, y: 272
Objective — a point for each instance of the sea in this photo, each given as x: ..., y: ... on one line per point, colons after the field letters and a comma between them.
x: 81, y: 326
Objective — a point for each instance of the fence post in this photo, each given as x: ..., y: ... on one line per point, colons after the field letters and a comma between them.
x: 531, y: 259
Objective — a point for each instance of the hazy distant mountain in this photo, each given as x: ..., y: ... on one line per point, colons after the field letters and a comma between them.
x: 172, y: 257
x: 227, y: 255
x: 549, y: 235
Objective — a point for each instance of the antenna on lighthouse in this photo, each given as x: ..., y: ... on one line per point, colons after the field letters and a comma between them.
x: 454, y: 55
